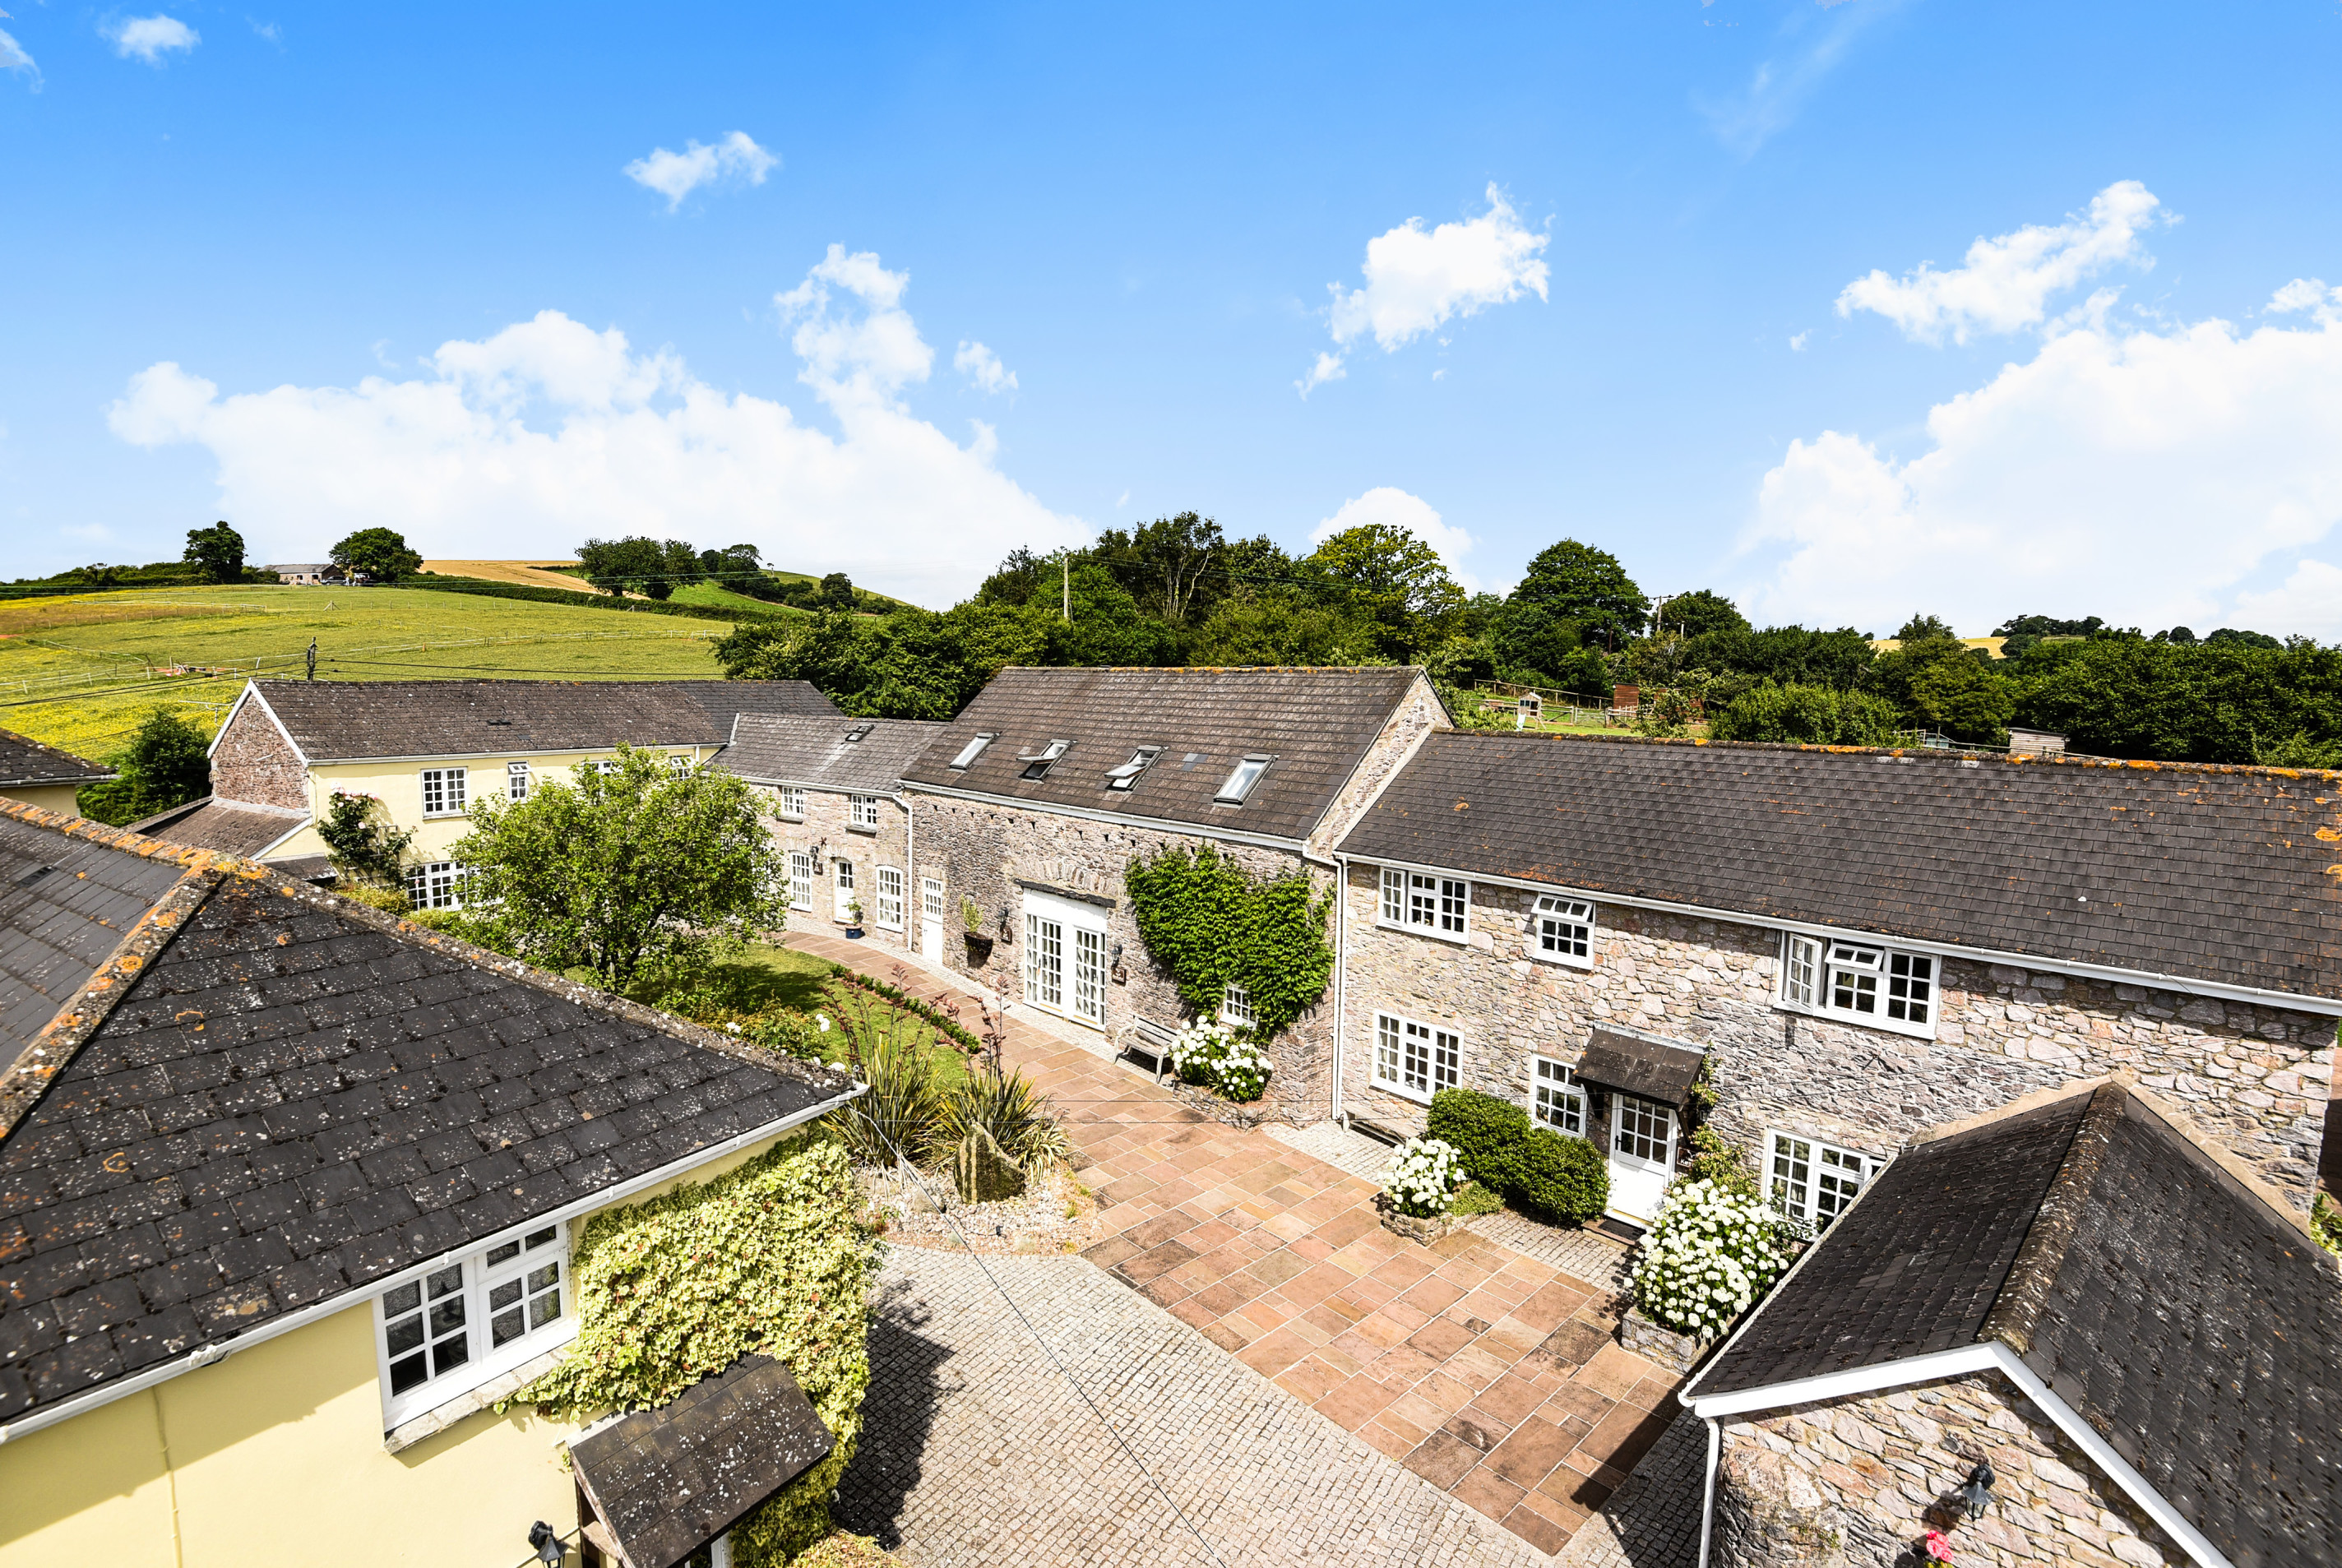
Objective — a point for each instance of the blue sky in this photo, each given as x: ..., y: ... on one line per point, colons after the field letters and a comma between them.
x: 316, y: 269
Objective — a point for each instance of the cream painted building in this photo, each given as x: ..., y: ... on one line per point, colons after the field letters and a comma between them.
x: 44, y: 775
x: 288, y: 1190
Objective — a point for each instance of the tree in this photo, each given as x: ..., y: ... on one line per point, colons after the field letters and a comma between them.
x: 217, y: 552
x: 837, y: 591
x: 1386, y: 577
x: 1580, y: 585
x: 626, y: 873
x: 1700, y: 612
x: 1248, y: 628
x: 380, y: 553
x: 1964, y: 699
x: 1925, y: 629
x: 1165, y: 564
x: 624, y: 566
x: 167, y: 763
x: 1812, y: 715
x: 365, y: 844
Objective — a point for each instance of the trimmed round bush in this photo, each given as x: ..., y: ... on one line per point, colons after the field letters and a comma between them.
x: 1487, y: 1134
x: 1423, y: 1177
x: 1561, y: 1177
x: 1708, y: 1257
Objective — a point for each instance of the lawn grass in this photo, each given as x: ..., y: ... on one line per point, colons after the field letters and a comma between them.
x: 761, y: 977
x: 79, y: 671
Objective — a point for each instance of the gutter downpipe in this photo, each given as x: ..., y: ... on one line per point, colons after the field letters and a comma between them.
x: 1707, y: 1497
x: 1341, y: 975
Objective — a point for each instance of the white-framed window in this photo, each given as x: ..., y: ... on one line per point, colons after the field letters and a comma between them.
x: 1557, y: 1099
x: 1125, y: 775
x: 890, y: 898
x: 678, y: 763
x: 1037, y: 764
x: 516, y: 781
x: 1437, y: 905
x: 605, y: 766
x: 862, y: 811
x: 1416, y: 1060
x: 1564, y: 931
x: 974, y: 749
x: 1235, y: 1006
x: 442, y: 791
x: 1859, y: 981
x: 1811, y: 1180
x: 801, y: 874
x: 436, y: 884
x: 841, y: 872
x: 1065, y: 958
x: 789, y: 802
x: 471, y: 1320
x: 1240, y: 779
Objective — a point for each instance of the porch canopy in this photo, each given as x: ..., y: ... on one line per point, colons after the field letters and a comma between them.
x: 1640, y: 1065
x: 667, y: 1482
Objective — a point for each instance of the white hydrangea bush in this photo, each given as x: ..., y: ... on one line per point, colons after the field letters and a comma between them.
x: 1707, y: 1257
x: 1424, y: 1177
x: 1211, y: 1053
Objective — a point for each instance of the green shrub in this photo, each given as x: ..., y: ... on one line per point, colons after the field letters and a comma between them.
x: 901, y: 1111
x: 1561, y: 1177
x: 2326, y: 1223
x: 1814, y: 715
x: 1018, y: 1118
x: 1722, y: 1166
x: 1487, y: 1133
x: 1475, y: 1199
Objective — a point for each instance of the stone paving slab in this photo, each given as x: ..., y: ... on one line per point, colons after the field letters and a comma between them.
x: 976, y: 1450
x: 1652, y: 1521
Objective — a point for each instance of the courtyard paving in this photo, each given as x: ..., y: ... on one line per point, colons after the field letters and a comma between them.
x: 1487, y: 1373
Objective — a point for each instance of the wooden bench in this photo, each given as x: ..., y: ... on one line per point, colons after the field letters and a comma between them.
x: 1149, y: 1039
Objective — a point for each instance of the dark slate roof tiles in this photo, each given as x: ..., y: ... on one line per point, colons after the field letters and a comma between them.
x: 27, y: 762
x: 65, y: 904
x: 229, y: 826
x: 345, y: 720
x: 800, y: 749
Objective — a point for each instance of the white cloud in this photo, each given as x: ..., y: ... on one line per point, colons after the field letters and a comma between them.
x: 269, y: 30
x: 1395, y: 507
x: 2309, y: 601
x: 2005, y: 283
x: 674, y: 176
x: 1812, y: 48
x: 528, y: 442
x: 1418, y: 279
x: 149, y: 38
x: 2310, y: 294
x: 14, y: 59
x: 982, y: 368
x: 2140, y: 476
x: 1798, y: 344
x: 1327, y: 368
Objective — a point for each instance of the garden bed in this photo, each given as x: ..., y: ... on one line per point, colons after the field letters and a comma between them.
x: 1056, y: 1214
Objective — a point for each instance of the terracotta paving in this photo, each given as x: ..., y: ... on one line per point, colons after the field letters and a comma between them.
x: 1493, y: 1376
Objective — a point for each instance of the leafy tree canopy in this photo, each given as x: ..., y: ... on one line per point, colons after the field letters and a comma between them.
x: 167, y: 763
x: 1172, y: 567
x: 1577, y: 583
x: 217, y: 553
x: 1700, y: 612
x: 1390, y: 580
x: 380, y: 553
x: 1925, y: 629
x: 640, y: 564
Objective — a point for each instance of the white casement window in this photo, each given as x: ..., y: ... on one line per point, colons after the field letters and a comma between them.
x: 472, y: 1319
x: 1037, y: 764
x: 1089, y: 974
x: 791, y: 804
x: 974, y: 749
x: 442, y: 791
x: 1860, y: 982
x: 801, y: 874
x: 1810, y: 1180
x: 605, y: 766
x: 1565, y: 931
x: 1065, y: 958
x: 1235, y: 1006
x: 862, y: 811
x: 1414, y: 1059
x: 1437, y: 905
x: 842, y: 876
x: 1125, y: 775
x: 516, y: 781
x: 1557, y: 1099
x: 436, y: 884
x: 1240, y: 779
x: 678, y: 763
x: 890, y: 898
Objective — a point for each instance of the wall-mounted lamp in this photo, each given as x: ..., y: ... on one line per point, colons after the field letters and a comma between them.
x: 1978, y: 1490
x: 544, y: 1543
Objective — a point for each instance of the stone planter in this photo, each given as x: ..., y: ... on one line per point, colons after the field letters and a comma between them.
x: 1426, y: 1231
x: 1679, y: 1352
x: 1200, y: 1099
x: 979, y: 950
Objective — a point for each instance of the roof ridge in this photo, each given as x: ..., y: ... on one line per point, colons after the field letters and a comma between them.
x: 2032, y: 1100
x: 2025, y: 1290
x: 2193, y: 1134
x: 1223, y: 669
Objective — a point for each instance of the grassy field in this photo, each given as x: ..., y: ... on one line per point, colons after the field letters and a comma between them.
x: 80, y: 671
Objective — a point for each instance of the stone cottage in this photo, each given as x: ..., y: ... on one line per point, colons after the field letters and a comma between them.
x: 831, y: 791
x: 1028, y: 807
x: 2076, y: 1331
x: 1852, y: 945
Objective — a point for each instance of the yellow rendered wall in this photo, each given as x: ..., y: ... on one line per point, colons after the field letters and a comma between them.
x: 48, y: 797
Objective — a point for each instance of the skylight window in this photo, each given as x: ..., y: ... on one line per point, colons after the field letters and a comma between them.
x: 1127, y: 773
x: 857, y: 732
x: 974, y: 749
x: 1036, y: 764
x: 1239, y: 785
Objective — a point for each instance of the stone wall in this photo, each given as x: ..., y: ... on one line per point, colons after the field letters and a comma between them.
x: 254, y: 763
x: 1418, y: 714
x: 825, y: 828
x: 2255, y: 1076
x: 983, y: 852
x: 1866, y: 1477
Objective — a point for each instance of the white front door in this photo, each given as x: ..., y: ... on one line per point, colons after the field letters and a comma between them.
x: 1642, y: 1157
x: 931, y: 920
x: 843, y: 872
x: 1066, y: 954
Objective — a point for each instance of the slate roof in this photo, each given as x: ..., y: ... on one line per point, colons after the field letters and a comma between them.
x: 25, y: 762
x: 2162, y: 1296
x: 294, y: 1099
x: 1654, y: 1069
x: 229, y: 826
x: 1316, y: 723
x: 348, y: 721
x: 65, y: 904
x: 801, y: 749
x: 2211, y: 873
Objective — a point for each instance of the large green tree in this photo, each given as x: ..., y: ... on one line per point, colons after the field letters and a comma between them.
x: 1585, y: 587
x: 216, y: 552
x: 1171, y: 567
x: 167, y: 763
x: 1387, y: 578
x: 1701, y: 612
x: 635, y: 870
x: 382, y: 553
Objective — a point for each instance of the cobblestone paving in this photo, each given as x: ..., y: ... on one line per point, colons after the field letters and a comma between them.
x: 1491, y: 1374
x: 1652, y: 1521
x: 976, y: 1450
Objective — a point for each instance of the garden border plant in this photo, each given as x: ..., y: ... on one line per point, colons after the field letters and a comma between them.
x: 1212, y: 923
x: 1551, y: 1173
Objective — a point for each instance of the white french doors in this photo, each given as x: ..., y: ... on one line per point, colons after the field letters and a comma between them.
x: 1642, y: 1157
x: 1065, y: 958
x: 931, y: 919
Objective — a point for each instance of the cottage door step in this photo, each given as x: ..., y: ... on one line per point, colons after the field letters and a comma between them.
x: 1642, y: 1157
x: 931, y: 919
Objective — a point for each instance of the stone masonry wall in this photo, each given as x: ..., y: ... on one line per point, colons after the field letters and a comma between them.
x: 825, y: 828
x: 2255, y: 1076
x: 1878, y: 1471
x: 254, y: 763
x: 981, y: 850
x: 1418, y: 714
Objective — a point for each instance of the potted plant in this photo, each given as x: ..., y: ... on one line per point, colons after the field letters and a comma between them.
x: 852, y: 917
x: 1419, y: 1187
x: 979, y: 943
x: 1707, y: 1259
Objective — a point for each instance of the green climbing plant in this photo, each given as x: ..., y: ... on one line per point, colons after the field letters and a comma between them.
x: 1214, y: 924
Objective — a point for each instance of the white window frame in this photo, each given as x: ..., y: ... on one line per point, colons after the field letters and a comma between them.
x: 679, y: 764
x: 862, y: 811
x: 845, y: 887
x: 1235, y: 1006
x: 1561, y: 931
x: 1065, y: 961
x: 1835, y: 976
x: 973, y: 750
x: 789, y: 802
x: 449, y: 787
x: 519, y: 781
x: 1557, y: 1099
x: 1243, y: 779
x: 1439, y: 906
x: 1123, y: 777
x: 1804, y: 1176
x: 803, y: 867
x: 481, y: 1282
x: 889, y: 913
x: 1415, y: 1059
x: 437, y: 884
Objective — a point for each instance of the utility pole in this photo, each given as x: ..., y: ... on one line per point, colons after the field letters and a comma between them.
x: 1066, y: 561
x: 313, y: 658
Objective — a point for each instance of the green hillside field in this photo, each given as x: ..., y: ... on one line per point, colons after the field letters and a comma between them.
x: 79, y: 671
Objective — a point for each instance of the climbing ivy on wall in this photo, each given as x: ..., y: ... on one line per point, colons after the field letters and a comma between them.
x: 1210, y: 922
x: 766, y: 1257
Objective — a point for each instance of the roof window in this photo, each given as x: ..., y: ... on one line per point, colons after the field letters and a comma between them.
x: 1036, y: 764
x: 974, y: 749
x: 1240, y: 783
x: 1127, y: 773
x: 857, y: 732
